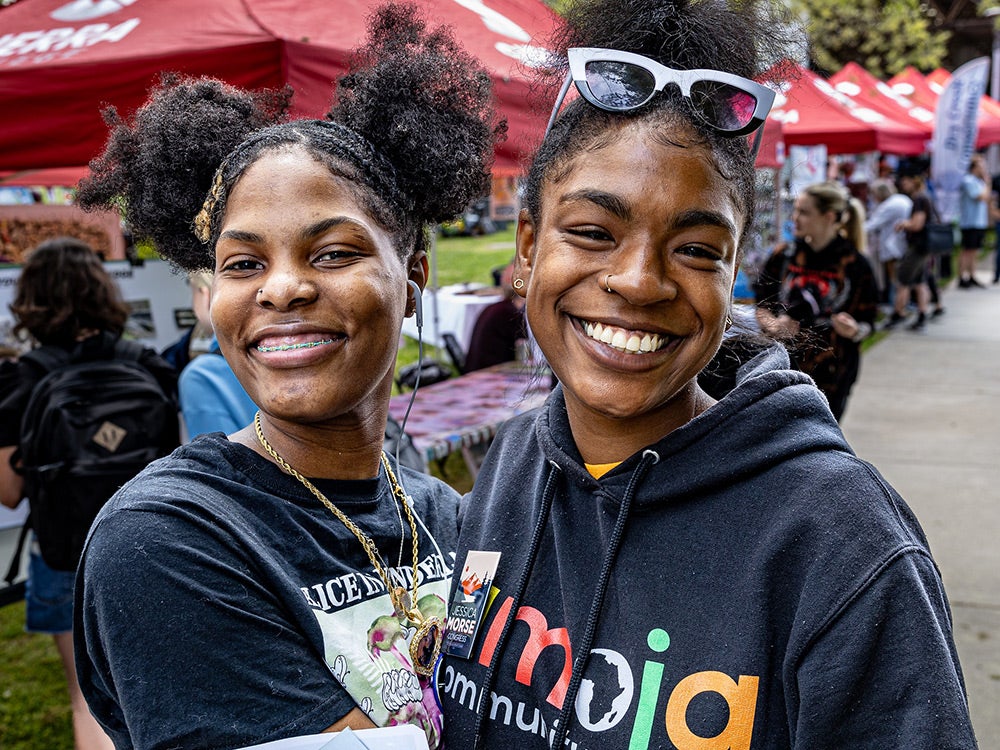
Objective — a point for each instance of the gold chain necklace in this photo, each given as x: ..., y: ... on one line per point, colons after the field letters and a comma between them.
x: 425, y: 646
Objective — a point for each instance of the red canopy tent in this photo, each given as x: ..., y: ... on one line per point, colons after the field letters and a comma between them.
x: 854, y: 81
x: 912, y: 84
x: 812, y: 112
x: 772, y: 145
x: 61, y: 61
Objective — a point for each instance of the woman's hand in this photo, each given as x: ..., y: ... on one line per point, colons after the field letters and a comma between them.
x: 11, y: 483
x: 356, y: 719
x: 845, y: 325
x: 777, y: 326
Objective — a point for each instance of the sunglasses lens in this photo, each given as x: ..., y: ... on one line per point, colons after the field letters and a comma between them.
x: 723, y: 106
x: 618, y: 85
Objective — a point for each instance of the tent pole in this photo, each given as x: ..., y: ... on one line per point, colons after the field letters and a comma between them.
x: 435, y: 319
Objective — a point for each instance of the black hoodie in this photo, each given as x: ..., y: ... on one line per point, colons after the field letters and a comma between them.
x: 746, y: 582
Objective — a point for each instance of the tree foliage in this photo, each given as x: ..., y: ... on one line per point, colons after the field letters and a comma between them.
x: 883, y: 36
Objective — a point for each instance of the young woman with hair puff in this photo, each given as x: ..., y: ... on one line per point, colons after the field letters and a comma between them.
x: 819, y: 295
x: 674, y: 570
x: 289, y: 578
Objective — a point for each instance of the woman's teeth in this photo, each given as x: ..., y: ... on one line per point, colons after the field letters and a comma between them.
x: 627, y: 341
x: 290, y: 347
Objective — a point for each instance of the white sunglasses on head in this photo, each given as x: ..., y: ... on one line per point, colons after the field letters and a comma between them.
x: 618, y: 81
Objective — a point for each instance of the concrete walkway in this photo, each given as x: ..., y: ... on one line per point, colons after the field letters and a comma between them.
x: 926, y: 412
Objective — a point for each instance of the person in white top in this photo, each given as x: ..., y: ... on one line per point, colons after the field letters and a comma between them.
x: 887, y: 244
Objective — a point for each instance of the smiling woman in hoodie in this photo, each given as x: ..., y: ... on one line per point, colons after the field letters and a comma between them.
x: 642, y: 564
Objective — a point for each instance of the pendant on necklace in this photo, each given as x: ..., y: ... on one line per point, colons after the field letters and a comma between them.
x: 425, y: 646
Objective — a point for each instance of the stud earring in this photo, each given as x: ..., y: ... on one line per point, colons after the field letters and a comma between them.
x: 518, y: 284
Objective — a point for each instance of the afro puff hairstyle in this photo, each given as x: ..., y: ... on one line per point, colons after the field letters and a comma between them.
x: 412, y: 127
x: 157, y: 169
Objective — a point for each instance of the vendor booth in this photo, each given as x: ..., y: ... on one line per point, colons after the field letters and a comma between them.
x: 61, y: 61
x: 854, y: 81
x: 812, y: 112
x: 912, y: 84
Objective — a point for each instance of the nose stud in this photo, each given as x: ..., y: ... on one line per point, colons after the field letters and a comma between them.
x: 607, y: 284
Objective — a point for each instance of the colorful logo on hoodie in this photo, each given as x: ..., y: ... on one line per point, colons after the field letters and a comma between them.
x: 612, y: 692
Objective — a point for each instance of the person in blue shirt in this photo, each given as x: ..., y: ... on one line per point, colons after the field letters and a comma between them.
x: 973, y: 219
x: 212, y: 399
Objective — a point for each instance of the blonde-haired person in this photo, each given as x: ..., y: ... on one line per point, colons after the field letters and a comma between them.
x: 194, y: 340
x: 820, y: 295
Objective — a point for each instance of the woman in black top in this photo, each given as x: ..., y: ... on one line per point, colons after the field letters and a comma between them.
x: 820, y: 292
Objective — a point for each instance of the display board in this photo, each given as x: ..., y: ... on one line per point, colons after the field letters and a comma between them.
x: 23, y: 227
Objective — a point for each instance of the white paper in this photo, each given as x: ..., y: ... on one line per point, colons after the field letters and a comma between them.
x: 403, y: 737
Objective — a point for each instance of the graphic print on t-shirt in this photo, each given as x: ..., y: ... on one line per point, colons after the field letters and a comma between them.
x: 367, y: 648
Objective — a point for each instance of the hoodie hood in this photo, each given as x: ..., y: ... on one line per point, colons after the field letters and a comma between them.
x: 769, y: 400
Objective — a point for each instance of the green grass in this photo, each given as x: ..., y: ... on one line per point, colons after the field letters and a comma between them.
x: 458, y: 260
x: 34, y: 704
x: 461, y: 259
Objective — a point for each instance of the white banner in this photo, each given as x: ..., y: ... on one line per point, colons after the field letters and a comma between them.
x: 955, y: 126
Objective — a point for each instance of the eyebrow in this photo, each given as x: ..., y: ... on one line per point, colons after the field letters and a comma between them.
x: 615, y: 205
x: 315, y: 230
x: 249, y: 238
x: 700, y: 217
x: 310, y: 232
x: 607, y: 201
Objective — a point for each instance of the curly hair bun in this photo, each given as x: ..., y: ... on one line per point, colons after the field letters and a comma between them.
x: 416, y: 123
x: 157, y: 168
x: 743, y: 37
x: 426, y: 106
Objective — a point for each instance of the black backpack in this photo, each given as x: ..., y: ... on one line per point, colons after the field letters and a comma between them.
x: 90, y: 426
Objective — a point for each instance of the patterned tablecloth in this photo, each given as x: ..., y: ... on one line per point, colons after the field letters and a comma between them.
x: 465, y: 411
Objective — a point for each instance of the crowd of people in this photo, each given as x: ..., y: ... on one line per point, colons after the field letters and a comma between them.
x: 304, y: 582
x: 856, y: 266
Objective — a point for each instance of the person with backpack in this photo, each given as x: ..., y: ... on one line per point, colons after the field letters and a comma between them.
x: 79, y: 416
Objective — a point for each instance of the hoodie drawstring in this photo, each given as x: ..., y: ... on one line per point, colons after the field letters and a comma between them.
x: 582, y: 650
x: 548, y: 493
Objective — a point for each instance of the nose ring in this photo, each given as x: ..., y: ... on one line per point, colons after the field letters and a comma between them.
x: 607, y: 284
x: 260, y: 291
